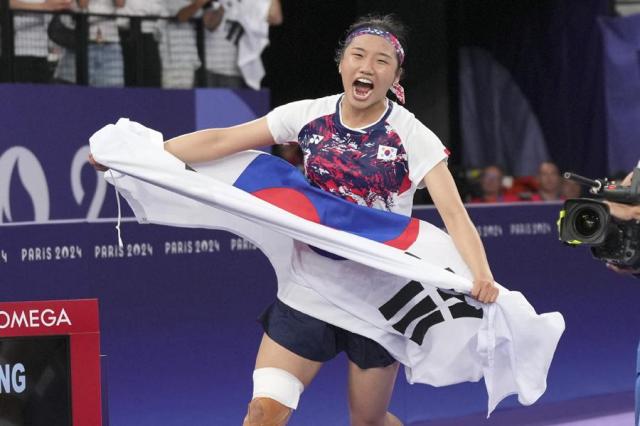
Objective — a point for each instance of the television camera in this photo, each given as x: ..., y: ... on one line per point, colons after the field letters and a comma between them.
x: 586, y: 221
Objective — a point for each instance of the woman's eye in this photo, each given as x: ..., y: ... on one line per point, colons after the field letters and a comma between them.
x: 358, y: 55
x: 382, y: 61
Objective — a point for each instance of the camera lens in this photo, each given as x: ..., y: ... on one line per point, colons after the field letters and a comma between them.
x: 587, y: 222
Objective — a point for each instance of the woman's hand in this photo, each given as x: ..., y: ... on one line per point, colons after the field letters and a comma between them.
x: 99, y: 167
x: 484, y: 291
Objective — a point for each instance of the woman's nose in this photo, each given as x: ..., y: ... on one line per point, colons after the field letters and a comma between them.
x: 366, y: 67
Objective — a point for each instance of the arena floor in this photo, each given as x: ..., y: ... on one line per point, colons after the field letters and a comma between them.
x: 607, y: 410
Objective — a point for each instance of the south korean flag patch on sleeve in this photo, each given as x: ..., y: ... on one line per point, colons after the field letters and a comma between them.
x: 387, y: 153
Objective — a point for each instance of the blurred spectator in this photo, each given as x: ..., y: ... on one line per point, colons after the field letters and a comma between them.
x: 626, y: 7
x: 237, y: 34
x: 146, y: 69
x: 104, y: 51
x: 30, y: 64
x: 549, y: 182
x: 178, y: 48
x: 491, y: 187
x: 290, y: 152
x: 570, y: 189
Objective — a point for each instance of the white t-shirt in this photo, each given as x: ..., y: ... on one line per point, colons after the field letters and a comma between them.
x: 144, y: 8
x: 221, y: 44
x: 378, y: 166
x: 31, y: 33
x: 101, y: 28
x: 178, y: 49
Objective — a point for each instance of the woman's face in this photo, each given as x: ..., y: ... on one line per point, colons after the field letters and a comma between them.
x: 369, y: 66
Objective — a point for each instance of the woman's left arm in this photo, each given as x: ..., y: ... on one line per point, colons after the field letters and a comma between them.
x: 447, y: 200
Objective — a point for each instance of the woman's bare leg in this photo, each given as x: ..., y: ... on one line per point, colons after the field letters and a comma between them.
x: 271, y: 354
x: 369, y: 395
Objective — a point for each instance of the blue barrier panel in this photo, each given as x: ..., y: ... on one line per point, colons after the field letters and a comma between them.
x: 178, y: 306
x: 638, y: 388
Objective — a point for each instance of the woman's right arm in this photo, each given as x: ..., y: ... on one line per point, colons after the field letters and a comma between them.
x: 211, y: 144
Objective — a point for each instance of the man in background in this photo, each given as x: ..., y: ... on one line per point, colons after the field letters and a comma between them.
x: 549, y: 182
x: 144, y: 70
x: 31, y: 47
x: 629, y: 212
x: 236, y: 32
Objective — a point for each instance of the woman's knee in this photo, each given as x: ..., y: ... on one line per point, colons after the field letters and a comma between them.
x: 266, y: 412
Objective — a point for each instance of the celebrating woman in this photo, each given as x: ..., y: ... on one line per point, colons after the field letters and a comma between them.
x: 364, y: 148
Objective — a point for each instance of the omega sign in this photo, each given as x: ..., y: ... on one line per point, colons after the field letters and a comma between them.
x: 33, y: 318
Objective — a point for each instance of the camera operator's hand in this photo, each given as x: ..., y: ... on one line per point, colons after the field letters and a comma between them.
x: 626, y: 271
x: 624, y: 211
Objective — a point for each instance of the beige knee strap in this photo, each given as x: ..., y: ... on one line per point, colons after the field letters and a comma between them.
x: 266, y: 412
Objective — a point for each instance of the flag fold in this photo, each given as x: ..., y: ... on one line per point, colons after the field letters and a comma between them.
x: 410, y: 291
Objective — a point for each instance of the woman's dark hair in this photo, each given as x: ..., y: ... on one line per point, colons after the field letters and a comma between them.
x: 389, y: 23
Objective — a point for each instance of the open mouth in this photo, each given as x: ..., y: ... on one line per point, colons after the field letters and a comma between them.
x: 362, y: 88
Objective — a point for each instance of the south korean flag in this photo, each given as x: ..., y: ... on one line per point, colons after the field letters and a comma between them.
x: 387, y: 153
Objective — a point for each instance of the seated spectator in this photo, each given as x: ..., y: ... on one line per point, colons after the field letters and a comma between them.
x: 178, y: 48
x: 104, y: 51
x: 31, y: 47
x: 523, y: 188
x: 549, y: 182
x: 149, y: 73
x: 491, y: 187
x: 228, y: 63
x: 570, y: 189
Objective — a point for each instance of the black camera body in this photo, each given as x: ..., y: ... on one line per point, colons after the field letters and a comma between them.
x: 585, y: 221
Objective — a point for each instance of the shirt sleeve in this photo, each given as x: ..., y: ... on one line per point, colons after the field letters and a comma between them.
x: 286, y: 121
x: 425, y: 151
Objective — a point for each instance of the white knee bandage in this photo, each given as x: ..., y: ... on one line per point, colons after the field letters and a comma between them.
x: 277, y: 384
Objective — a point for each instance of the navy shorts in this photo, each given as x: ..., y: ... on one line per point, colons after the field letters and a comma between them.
x: 319, y: 341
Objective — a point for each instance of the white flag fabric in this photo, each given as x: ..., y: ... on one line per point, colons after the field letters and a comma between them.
x: 252, y: 16
x: 411, y: 298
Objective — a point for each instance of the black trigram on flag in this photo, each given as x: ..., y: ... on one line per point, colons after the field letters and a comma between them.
x: 426, y: 307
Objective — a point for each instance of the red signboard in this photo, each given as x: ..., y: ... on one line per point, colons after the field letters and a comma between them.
x: 78, y: 321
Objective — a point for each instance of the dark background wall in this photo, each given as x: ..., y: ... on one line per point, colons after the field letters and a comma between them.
x: 300, y: 61
x: 551, y: 48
